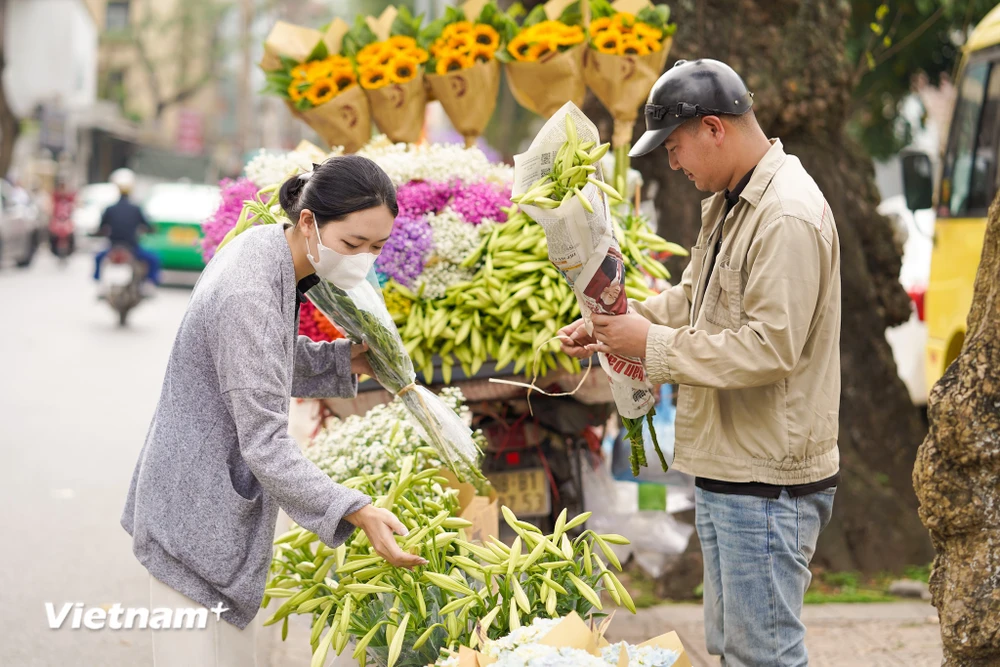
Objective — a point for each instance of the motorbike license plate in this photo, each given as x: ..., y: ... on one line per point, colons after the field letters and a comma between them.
x: 117, y: 275
x: 182, y: 235
x: 525, y: 492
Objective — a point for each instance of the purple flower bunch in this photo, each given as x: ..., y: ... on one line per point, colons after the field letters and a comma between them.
x: 476, y: 202
x: 233, y: 193
x: 404, y: 254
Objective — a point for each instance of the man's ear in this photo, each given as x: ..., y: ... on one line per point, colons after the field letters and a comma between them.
x: 716, y: 127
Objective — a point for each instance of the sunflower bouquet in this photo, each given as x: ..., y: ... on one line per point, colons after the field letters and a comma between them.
x: 320, y: 85
x: 391, y: 70
x: 544, y: 59
x: 463, y: 71
x: 629, y: 43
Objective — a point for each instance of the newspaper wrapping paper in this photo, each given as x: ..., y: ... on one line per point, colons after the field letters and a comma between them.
x: 583, y: 247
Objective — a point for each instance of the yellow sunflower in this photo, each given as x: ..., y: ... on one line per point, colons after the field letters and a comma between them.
x: 457, y: 28
x: 608, y: 41
x: 485, y: 35
x: 632, y: 46
x: 321, y: 92
x: 417, y: 53
x: 370, y: 53
x: 482, y: 54
x: 541, y: 49
x: 295, y: 91
x: 518, y: 47
x: 600, y: 25
x: 569, y: 36
x: 646, y: 31
x: 403, y: 68
x: 462, y: 42
x: 344, y: 78
x: 402, y: 43
x: 653, y: 45
x: 452, y: 62
x: 624, y: 20
x: 319, y: 70
x: 300, y: 71
x: 374, y: 77
x: 386, y: 55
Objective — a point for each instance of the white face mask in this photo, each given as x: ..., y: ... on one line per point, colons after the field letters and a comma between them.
x: 344, y: 271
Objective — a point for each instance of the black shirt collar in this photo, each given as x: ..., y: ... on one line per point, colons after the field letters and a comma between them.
x: 733, y: 196
x: 304, y: 286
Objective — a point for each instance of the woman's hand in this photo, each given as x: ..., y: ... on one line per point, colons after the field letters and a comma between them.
x: 359, y: 362
x: 380, y: 525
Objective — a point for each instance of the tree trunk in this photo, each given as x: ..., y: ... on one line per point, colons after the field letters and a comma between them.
x: 10, y: 125
x: 792, y: 55
x: 956, y: 477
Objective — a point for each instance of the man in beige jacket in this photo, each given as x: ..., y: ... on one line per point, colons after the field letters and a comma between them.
x: 752, y: 336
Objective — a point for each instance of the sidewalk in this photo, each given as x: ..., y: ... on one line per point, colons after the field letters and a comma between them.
x: 874, y: 635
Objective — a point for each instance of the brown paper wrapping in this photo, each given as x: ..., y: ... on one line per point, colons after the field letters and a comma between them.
x: 622, y: 83
x: 573, y: 632
x: 346, y: 119
x: 398, y: 109
x: 545, y: 86
x: 482, y: 511
x: 468, y: 96
x: 343, y: 121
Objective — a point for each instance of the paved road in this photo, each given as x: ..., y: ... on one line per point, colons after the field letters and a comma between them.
x: 76, y: 396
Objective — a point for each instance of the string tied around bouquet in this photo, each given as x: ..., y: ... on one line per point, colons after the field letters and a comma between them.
x: 532, y: 386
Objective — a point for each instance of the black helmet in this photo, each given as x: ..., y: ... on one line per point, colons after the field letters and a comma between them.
x: 702, y: 87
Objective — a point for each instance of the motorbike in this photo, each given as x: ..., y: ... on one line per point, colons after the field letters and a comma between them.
x: 122, y: 276
x: 61, y: 230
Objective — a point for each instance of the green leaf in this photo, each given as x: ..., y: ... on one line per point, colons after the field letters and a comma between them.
x: 288, y: 63
x: 572, y: 15
x: 887, y: 41
x: 319, y: 52
x: 602, y: 8
x: 875, y: 28
x: 871, y: 60
x: 881, y: 12
x: 536, y: 15
x: 517, y: 10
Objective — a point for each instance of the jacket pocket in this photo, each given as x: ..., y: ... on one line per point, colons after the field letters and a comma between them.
x: 724, y: 298
x: 215, y: 535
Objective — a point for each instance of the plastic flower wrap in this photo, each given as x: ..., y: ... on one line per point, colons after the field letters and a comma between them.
x: 544, y: 60
x: 318, y: 81
x: 361, y: 312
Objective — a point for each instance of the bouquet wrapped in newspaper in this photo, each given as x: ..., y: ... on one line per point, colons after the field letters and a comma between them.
x: 362, y: 314
x: 559, y: 183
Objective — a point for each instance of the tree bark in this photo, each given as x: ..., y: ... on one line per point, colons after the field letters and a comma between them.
x: 956, y: 475
x: 10, y: 125
x: 792, y: 55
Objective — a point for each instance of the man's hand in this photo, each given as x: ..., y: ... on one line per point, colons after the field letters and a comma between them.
x: 380, y: 525
x: 359, y: 362
x: 624, y: 335
x: 575, y: 339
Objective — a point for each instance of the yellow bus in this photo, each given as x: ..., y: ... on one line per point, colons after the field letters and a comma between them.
x: 969, y: 180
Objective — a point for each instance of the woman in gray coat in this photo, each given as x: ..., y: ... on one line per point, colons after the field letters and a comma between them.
x: 218, y: 461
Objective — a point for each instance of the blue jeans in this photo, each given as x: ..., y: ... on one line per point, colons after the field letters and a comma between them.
x: 151, y: 260
x: 757, y: 553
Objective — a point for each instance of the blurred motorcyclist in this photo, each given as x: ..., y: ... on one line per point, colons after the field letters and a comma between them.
x: 122, y: 223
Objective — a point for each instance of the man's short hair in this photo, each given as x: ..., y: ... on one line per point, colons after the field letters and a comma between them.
x: 743, y: 122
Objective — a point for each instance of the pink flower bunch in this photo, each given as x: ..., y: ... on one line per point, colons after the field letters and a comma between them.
x: 233, y: 193
x: 418, y: 198
x: 481, y: 201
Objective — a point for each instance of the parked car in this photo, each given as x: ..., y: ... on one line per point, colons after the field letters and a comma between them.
x: 908, y: 341
x: 22, y: 227
x: 176, y: 211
